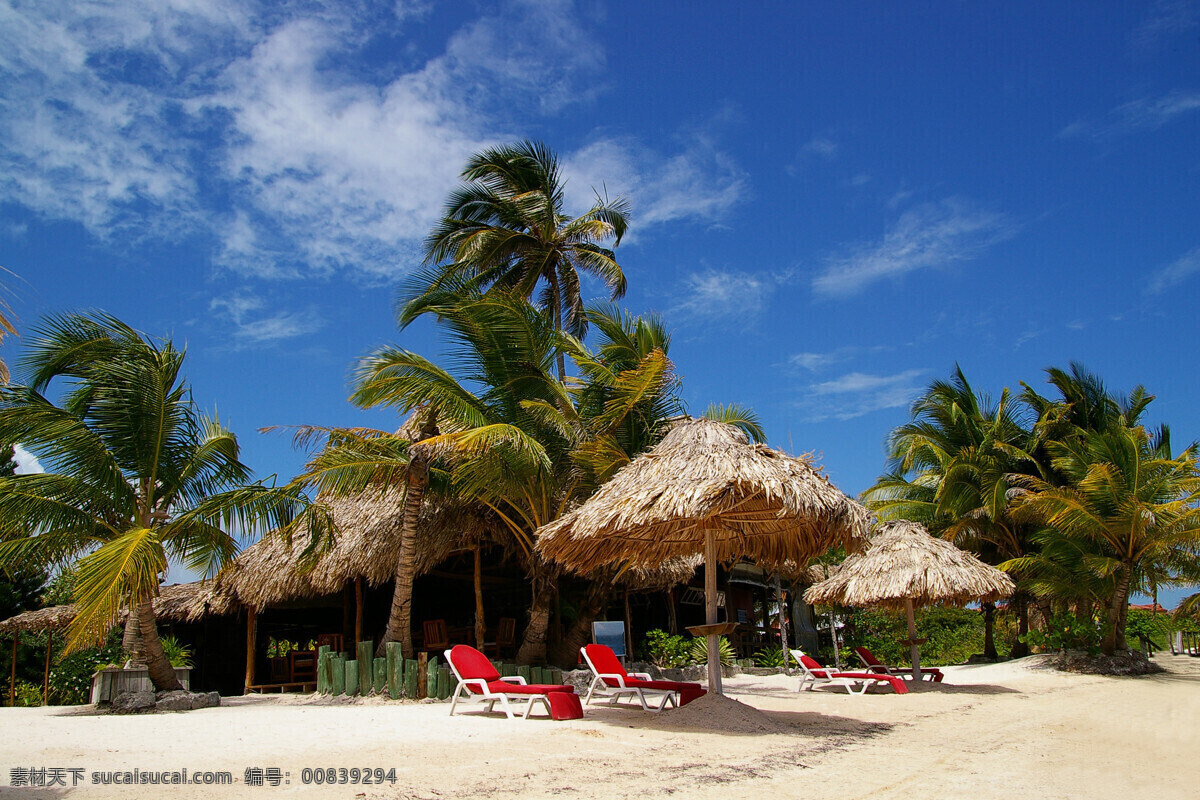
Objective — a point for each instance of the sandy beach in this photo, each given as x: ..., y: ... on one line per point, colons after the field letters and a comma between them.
x: 994, y: 731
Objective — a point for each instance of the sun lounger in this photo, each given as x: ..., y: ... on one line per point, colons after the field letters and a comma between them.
x: 873, y: 664
x: 479, y: 682
x: 612, y: 681
x: 813, y: 675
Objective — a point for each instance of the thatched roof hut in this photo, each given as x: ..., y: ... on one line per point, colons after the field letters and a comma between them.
x: 704, y: 475
x: 906, y: 567
x: 366, y: 545
x: 705, y: 488
x: 905, y: 563
x: 180, y: 602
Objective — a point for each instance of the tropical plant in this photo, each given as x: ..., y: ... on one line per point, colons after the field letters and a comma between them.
x: 179, y: 654
x: 506, y: 228
x: 699, y: 651
x: 134, y: 475
x: 1126, y: 503
x: 668, y: 651
x: 951, y: 469
x: 769, y: 657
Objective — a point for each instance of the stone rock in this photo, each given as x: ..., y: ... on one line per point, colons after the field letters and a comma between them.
x: 1134, y: 662
x: 133, y: 703
x: 178, y: 700
x: 206, y: 699
x: 579, y: 678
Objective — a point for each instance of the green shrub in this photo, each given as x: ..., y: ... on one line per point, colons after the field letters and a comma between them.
x: 27, y: 695
x: 71, y: 675
x: 953, y: 635
x: 769, y: 657
x: 667, y: 651
x: 180, y: 655
x: 1066, y: 632
x: 699, y: 651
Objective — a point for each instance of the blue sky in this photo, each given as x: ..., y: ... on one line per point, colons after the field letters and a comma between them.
x: 833, y: 203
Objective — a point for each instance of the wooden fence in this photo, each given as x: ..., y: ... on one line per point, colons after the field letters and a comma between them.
x: 398, y: 677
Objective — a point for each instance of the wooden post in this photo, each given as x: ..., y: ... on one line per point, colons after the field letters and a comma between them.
x: 710, y: 611
x: 480, y: 627
x: 432, y: 687
x: 324, y: 679
x: 351, y: 679
x: 837, y: 656
x: 411, y: 682
x: 358, y: 610
x: 251, y: 642
x: 915, y: 649
x: 422, y: 674
x: 628, y: 629
x: 783, y: 637
x: 12, y: 681
x: 339, y: 675
x: 445, y: 683
x: 46, y: 676
x: 365, y: 662
x: 672, y: 622
x: 380, y: 674
x: 395, y: 670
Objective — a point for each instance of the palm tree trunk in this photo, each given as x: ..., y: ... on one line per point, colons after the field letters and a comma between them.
x: 162, y: 674
x: 1114, y: 632
x: 131, y: 641
x: 399, y: 625
x: 533, y: 644
x: 1021, y: 603
x: 989, y: 631
x: 556, y: 316
x: 566, y: 653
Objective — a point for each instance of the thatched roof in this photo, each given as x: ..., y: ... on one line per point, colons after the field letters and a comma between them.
x: 705, y: 475
x: 671, y: 572
x: 366, y: 545
x: 179, y: 602
x: 905, y: 562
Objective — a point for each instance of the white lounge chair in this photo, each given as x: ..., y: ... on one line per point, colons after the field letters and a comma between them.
x: 479, y: 682
x: 813, y: 675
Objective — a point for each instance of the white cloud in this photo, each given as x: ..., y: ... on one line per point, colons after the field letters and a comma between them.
x: 250, y: 328
x: 856, y: 394
x: 1142, y: 114
x: 1167, y: 18
x: 700, y: 183
x: 816, y: 362
x: 1175, y: 273
x: 27, y: 463
x: 716, y: 294
x: 928, y: 236
x: 254, y: 123
x: 820, y: 146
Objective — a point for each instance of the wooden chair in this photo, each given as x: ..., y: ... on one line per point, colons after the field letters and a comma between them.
x: 334, y: 640
x: 302, y: 666
x: 436, y: 638
x: 506, y: 638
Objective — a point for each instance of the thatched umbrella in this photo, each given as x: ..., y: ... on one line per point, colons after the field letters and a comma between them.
x: 705, y: 488
x: 906, y: 567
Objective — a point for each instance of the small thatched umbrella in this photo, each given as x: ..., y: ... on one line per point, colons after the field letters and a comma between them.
x: 906, y: 567
x: 705, y: 488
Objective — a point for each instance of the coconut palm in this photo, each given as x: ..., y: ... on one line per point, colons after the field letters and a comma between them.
x: 1128, y: 505
x: 134, y: 476
x: 506, y: 228
x: 951, y: 469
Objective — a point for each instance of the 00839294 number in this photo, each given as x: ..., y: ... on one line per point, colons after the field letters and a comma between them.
x: 360, y: 775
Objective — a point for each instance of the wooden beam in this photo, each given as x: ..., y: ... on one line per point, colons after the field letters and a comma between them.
x: 251, y: 641
x: 480, y: 626
x: 628, y: 629
x: 358, y: 610
x: 710, y: 610
x: 46, y: 674
x: 12, y: 681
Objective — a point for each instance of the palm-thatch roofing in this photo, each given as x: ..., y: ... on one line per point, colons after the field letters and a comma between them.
x: 366, y: 545
x: 671, y: 572
x: 181, y: 602
x: 905, y: 563
x: 704, y: 475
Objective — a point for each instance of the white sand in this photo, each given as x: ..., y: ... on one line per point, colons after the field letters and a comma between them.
x: 1002, y: 731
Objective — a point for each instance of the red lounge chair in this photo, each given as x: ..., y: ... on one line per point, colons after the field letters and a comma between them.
x: 813, y: 674
x: 873, y: 664
x: 612, y: 681
x: 479, y: 682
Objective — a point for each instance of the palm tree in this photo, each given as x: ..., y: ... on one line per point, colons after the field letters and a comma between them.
x: 134, y: 475
x: 951, y: 469
x: 1127, y: 505
x: 506, y: 228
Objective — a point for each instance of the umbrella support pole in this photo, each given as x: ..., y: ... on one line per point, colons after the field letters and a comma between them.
x: 710, y: 608
x: 912, y: 639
